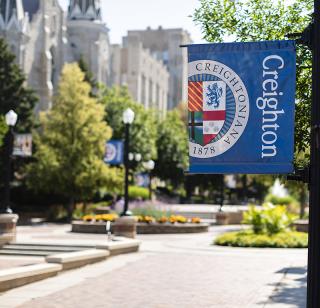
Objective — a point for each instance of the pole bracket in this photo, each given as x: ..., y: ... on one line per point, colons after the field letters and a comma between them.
x: 304, y: 38
x: 300, y: 175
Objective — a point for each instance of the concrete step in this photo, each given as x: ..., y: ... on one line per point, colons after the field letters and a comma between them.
x: 79, y: 258
x: 53, y: 245
x: 26, y: 253
x: 16, y: 277
x: 41, y: 248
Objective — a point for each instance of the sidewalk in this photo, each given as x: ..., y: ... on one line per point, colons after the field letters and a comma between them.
x: 173, y: 271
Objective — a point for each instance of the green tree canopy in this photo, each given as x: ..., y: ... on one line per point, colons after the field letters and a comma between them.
x: 172, y: 147
x: 68, y: 160
x: 14, y: 94
x: 143, y: 130
x: 3, y: 130
x: 255, y: 20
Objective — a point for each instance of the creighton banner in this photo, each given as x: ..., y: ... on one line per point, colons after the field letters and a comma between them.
x: 241, y: 100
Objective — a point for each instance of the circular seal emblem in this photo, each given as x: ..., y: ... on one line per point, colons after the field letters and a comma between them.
x: 219, y: 108
x: 111, y: 152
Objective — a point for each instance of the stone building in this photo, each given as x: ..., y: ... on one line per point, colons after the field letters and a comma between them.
x: 164, y: 45
x: 146, y: 77
x: 88, y: 37
x: 43, y: 38
x: 34, y: 30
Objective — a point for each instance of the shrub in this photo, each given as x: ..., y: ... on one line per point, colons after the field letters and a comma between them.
x: 150, y: 211
x: 270, y: 219
x: 254, y: 218
x: 280, y: 200
x: 288, y: 239
x: 136, y: 193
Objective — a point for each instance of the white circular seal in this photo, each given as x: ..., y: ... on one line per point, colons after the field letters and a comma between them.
x: 111, y: 152
x: 242, y: 108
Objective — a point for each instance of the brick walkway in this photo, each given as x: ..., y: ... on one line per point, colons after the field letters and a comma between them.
x: 174, y: 271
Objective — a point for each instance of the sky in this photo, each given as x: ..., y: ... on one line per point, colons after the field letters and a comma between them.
x: 123, y: 15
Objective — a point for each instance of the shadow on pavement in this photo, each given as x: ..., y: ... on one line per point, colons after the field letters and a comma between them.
x: 292, y: 290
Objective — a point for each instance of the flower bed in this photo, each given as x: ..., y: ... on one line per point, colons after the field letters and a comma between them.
x: 145, y: 224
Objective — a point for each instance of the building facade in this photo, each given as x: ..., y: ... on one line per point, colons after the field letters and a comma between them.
x: 34, y: 30
x: 43, y: 38
x: 147, y: 78
x: 164, y: 45
x: 88, y: 38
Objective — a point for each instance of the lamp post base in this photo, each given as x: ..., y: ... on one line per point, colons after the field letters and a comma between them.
x: 125, y: 226
x: 8, y: 223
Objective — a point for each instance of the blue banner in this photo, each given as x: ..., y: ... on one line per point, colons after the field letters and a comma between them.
x: 114, y: 152
x: 241, y: 99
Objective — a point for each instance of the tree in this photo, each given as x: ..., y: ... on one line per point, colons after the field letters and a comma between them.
x: 88, y: 75
x: 143, y: 130
x: 14, y: 94
x: 68, y: 160
x: 172, y: 147
x: 255, y: 20
x: 3, y: 130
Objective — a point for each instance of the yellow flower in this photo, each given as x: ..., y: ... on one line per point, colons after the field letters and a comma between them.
x: 162, y: 220
x: 195, y: 220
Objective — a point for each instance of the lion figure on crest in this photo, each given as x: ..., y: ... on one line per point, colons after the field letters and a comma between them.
x: 214, y: 94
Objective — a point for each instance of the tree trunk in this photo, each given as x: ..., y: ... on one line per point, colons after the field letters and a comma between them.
x: 84, y: 207
x: 70, y: 209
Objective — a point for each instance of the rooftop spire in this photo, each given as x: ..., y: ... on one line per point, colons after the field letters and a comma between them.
x: 9, y: 8
x: 12, y: 14
x: 84, y: 10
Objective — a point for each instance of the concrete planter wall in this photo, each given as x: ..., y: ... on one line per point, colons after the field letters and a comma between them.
x: 156, y: 228
x: 8, y: 223
x: 141, y: 228
x: 301, y: 225
x: 229, y: 218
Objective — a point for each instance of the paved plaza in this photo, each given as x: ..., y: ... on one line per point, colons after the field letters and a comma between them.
x: 170, y: 271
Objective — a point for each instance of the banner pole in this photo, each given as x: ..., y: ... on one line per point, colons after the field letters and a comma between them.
x: 313, y: 289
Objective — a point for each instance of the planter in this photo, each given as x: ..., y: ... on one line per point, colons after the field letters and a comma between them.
x: 167, y: 228
x: 141, y: 228
x: 222, y: 218
x: 8, y: 223
x: 301, y: 225
x: 229, y: 218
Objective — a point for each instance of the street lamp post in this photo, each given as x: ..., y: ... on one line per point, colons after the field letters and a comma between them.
x: 149, y: 165
x: 128, y: 118
x: 11, y: 119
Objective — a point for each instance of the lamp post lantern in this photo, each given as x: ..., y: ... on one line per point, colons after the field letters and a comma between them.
x: 128, y: 118
x: 11, y: 119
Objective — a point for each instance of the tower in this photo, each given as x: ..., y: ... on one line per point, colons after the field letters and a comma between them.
x: 14, y: 24
x: 88, y: 37
x: 85, y: 10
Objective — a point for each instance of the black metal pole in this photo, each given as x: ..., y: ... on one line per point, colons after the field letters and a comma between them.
x: 126, y: 165
x: 150, y: 185
x: 313, y: 290
x: 5, y: 209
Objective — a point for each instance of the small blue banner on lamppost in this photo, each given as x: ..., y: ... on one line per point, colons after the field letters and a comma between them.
x: 114, y: 152
x: 241, y: 101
